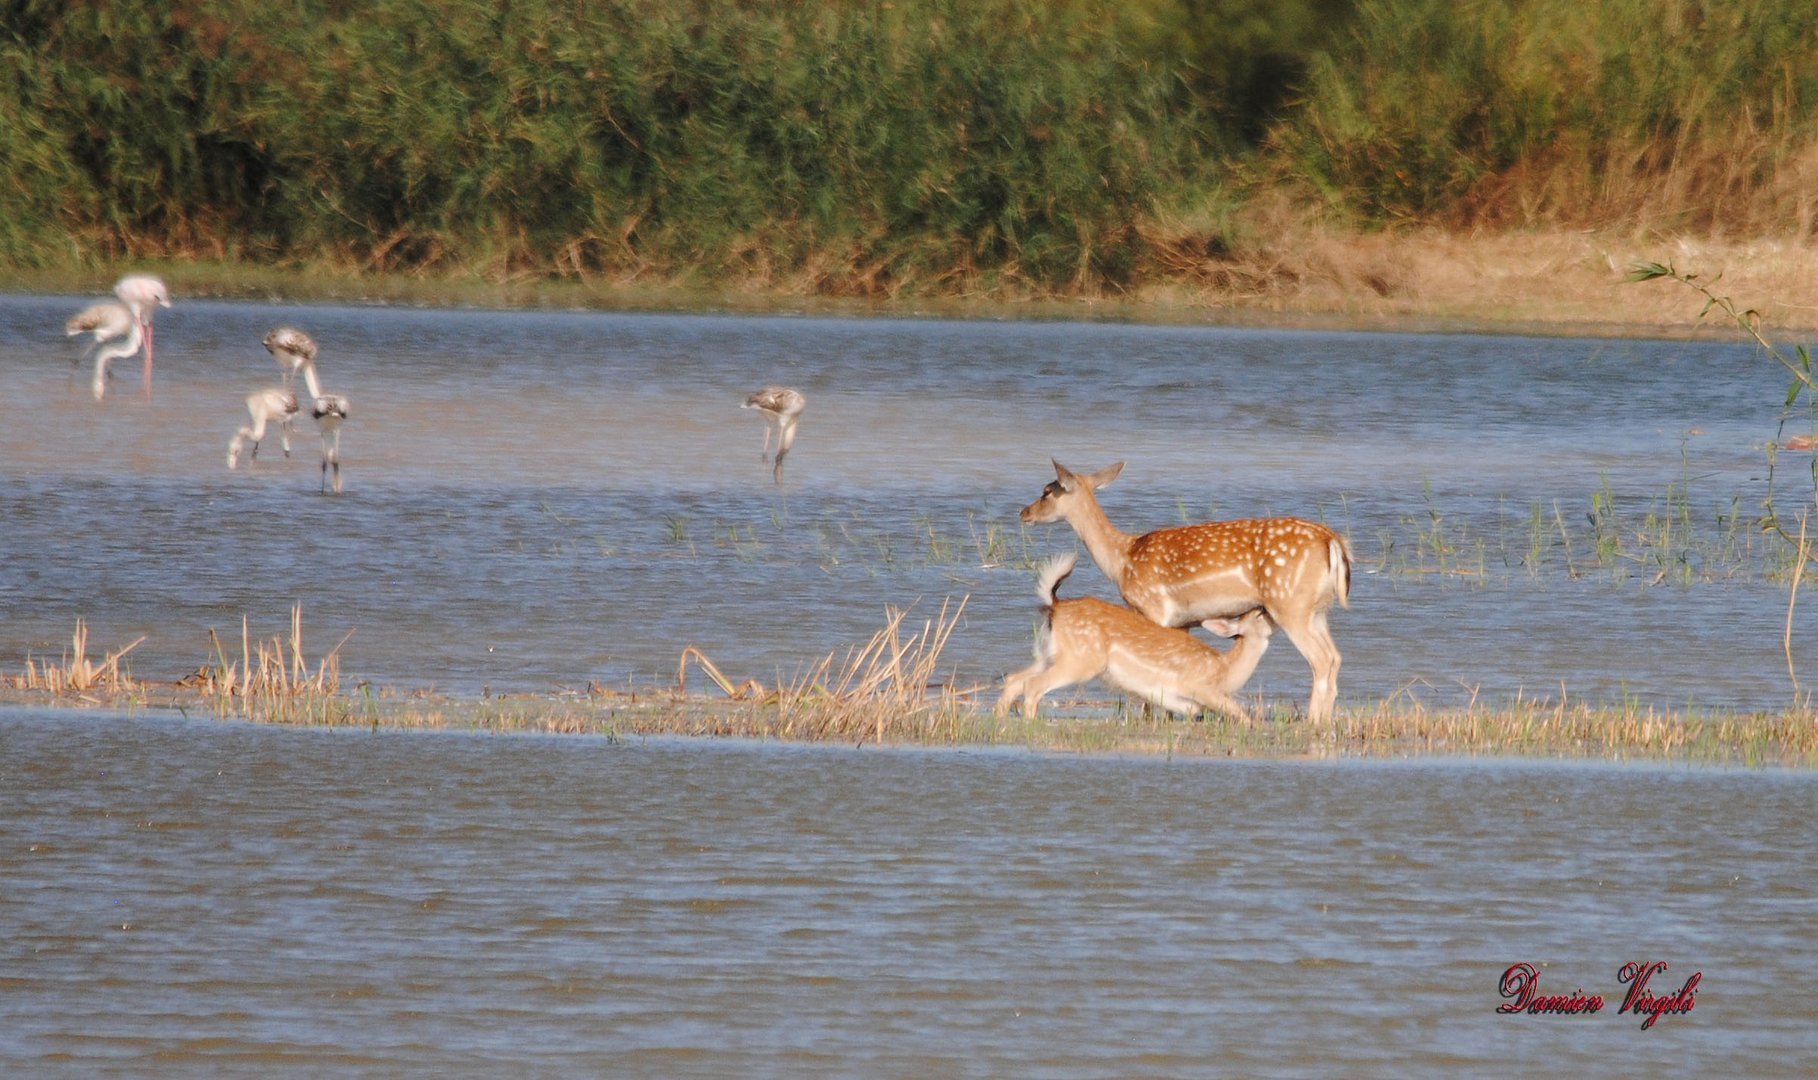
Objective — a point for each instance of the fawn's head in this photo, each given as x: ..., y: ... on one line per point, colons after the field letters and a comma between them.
x: 1252, y: 624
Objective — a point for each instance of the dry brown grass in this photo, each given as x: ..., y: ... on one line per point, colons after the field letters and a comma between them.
x: 1556, y: 281
x: 76, y: 674
x: 1547, y: 728
x: 874, y: 692
x: 888, y: 690
x: 271, y: 679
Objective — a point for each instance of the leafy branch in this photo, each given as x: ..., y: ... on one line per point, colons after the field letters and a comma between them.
x: 1799, y: 365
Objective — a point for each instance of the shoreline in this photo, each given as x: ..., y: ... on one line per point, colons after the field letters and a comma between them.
x: 1537, y: 730
x: 1557, y: 284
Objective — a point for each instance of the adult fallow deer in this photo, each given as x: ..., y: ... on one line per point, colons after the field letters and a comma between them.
x: 1183, y: 576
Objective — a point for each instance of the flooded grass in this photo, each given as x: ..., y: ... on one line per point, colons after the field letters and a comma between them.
x: 888, y: 692
x: 1693, y: 520
x: 1538, y: 728
x: 1653, y: 539
x: 1620, y: 538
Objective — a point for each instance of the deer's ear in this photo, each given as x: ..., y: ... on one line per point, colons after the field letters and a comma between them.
x: 1061, y: 471
x: 1105, y: 475
x: 1221, y: 627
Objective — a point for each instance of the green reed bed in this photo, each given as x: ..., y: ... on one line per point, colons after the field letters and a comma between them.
x: 1654, y: 117
x: 924, y: 147
x: 861, y: 147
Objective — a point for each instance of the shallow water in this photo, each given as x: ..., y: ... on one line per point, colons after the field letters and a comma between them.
x: 539, y: 500
x: 180, y: 898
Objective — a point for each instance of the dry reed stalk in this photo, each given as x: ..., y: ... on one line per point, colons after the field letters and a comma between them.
x: 1786, y: 641
x: 750, y: 687
x: 77, y: 674
x: 887, y: 679
x: 272, y: 678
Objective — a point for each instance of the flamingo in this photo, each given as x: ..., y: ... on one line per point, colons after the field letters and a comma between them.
x: 295, y: 351
x: 274, y: 403
x: 292, y: 348
x: 330, y: 410
x: 143, y: 294
x: 128, y: 317
x: 107, y: 321
x: 781, y: 407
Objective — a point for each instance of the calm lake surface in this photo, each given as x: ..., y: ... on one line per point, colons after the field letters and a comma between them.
x: 542, y: 500
x: 537, y: 501
x: 183, y: 898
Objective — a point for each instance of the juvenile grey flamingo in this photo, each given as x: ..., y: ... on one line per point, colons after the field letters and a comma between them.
x: 273, y: 403
x: 295, y: 352
x: 782, y: 407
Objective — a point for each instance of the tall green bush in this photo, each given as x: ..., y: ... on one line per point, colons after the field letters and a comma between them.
x: 1561, y: 111
x: 932, y: 145
x: 926, y: 140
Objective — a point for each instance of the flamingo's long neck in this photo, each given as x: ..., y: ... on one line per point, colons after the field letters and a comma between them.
x: 106, y: 353
x: 143, y: 316
x: 310, y: 380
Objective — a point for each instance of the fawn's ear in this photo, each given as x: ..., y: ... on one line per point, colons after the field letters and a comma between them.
x: 1221, y: 627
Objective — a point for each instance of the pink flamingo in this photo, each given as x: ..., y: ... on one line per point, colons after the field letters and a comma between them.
x: 106, y: 321
x: 143, y: 294
x: 129, y: 317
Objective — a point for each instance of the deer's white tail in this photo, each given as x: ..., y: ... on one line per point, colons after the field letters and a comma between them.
x: 1338, y: 570
x: 1053, y: 572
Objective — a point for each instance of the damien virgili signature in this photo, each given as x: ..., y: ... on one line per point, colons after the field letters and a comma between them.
x: 1521, y: 985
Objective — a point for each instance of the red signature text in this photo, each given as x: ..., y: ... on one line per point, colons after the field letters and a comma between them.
x: 1639, y: 1001
x: 1522, y: 983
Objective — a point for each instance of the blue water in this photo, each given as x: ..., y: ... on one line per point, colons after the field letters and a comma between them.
x: 182, y: 898
x: 538, y: 500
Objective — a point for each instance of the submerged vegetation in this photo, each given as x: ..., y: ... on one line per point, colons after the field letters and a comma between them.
x: 891, y: 691
x: 1664, y: 538
x: 925, y: 147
